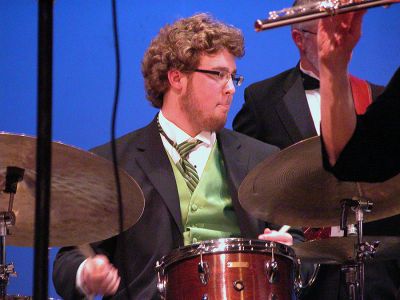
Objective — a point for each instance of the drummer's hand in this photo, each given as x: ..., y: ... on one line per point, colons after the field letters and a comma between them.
x: 276, y: 236
x: 99, y: 276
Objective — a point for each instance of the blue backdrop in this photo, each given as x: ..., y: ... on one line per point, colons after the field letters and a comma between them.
x: 84, y: 71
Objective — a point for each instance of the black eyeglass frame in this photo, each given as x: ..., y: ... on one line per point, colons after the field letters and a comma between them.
x: 307, y: 31
x: 236, y: 79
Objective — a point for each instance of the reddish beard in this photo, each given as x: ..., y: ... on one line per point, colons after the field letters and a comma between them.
x: 199, y: 119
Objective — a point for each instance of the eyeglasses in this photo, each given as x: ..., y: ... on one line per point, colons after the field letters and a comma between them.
x: 236, y: 79
x: 307, y: 31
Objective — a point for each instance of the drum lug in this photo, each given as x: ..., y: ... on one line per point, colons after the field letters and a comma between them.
x: 238, y: 285
x: 271, y: 270
x: 299, y: 284
x: 202, y: 268
x: 204, y: 297
x: 204, y: 272
x: 161, y: 287
x: 161, y: 281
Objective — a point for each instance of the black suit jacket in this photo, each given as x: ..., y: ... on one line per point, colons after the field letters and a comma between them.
x: 276, y: 111
x: 136, y: 251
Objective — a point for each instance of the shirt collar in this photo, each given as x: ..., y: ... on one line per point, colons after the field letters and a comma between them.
x: 178, y: 135
x: 310, y: 73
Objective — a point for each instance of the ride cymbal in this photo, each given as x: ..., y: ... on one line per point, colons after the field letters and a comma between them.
x: 84, y: 206
x: 292, y: 188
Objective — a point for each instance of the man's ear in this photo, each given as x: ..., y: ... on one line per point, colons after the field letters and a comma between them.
x: 176, y: 79
x: 297, y: 38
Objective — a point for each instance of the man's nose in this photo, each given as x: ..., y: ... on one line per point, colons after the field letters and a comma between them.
x: 230, y: 87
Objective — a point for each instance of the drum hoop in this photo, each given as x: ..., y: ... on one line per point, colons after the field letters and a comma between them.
x: 226, y: 245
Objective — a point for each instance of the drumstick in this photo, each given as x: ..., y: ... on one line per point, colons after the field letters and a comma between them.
x: 284, y: 229
x: 86, y: 250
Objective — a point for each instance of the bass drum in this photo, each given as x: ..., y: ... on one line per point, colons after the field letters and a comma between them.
x: 228, y: 269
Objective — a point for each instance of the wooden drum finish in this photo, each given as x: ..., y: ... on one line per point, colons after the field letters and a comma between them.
x: 228, y: 269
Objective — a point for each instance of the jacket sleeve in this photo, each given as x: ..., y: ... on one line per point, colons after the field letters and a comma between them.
x: 67, y: 262
x: 65, y: 267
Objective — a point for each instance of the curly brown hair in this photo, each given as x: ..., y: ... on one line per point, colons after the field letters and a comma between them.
x: 180, y: 45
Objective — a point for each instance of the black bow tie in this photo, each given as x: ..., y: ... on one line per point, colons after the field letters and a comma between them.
x: 309, y: 83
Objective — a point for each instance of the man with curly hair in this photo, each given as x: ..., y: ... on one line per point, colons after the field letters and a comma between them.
x: 188, y: 166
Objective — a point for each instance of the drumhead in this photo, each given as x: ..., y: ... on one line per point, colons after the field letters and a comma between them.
x: 227, y: 245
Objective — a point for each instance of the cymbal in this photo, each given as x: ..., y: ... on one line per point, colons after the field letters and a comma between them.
x: 84, y: 206
x: 292, y: 188
x: 339, y: 250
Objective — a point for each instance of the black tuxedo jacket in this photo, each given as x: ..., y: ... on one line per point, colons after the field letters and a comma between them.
x: 276, y: 112
x: 159, y: 230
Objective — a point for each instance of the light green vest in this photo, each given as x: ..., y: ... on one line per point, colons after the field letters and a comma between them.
x: 208, y: 213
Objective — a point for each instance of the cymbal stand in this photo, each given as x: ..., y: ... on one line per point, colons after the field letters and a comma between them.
x: 7, y: 219
x: 354, y: 271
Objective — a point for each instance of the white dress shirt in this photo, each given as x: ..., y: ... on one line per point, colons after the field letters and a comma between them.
x: 199, y: 155
x: 314, y: 102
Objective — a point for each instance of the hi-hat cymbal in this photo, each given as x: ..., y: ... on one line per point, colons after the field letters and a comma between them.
x: 292, y: 188
x: 84, y: 206
x: 339, y: 250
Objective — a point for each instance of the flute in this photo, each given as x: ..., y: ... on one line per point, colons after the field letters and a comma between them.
x: 322, y: 9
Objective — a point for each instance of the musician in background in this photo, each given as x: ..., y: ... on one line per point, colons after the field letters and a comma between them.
x: 359, y: 147
x: 285, y: 109
x: 187, y: 165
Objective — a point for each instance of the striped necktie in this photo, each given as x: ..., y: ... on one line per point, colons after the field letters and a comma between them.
x: 187, y: 170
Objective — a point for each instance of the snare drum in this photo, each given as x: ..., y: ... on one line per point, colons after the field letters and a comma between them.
x: 228, y: 269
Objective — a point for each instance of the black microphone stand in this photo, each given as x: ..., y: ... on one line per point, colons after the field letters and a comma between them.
x: 43, y: 149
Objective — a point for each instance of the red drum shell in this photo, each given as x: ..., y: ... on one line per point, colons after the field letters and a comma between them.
x: 236, y: 270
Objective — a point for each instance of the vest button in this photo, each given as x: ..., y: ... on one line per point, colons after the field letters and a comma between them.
x: 194, y: 207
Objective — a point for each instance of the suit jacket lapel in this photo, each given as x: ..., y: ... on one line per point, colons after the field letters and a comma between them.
x: 156, y: 165
x: 294, y: 111
x: 154, y: 162
x: 236, y: 160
